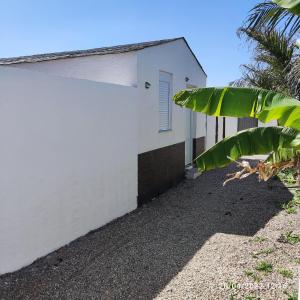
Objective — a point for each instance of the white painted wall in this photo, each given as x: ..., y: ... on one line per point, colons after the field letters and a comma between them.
x: 220, y: 129
x: 174, y: 58
x: 69, y: 153
x: 68, y: 160
x: 201, y: 125
x: 118, y: 69
x: 211, y: 131
x: 271, y: 123
x: 133, y: 69
x: 231, y: 126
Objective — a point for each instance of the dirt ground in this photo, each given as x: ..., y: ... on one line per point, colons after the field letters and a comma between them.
x: 199, y: 240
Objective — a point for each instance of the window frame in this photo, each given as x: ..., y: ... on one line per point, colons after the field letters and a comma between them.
x: 167, y: 77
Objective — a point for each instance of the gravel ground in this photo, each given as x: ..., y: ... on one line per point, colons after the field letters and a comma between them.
x: 196, y: 241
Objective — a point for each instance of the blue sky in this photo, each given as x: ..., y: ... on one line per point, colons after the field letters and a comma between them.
x: 36, y: 26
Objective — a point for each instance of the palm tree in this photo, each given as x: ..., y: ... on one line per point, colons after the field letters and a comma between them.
x: 270, y: 14
x: 293, y: 77
x: 274, y: 55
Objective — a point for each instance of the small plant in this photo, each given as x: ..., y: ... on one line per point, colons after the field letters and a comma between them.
x: 291, y: 296
x: 285, y: 273
x: 252, y: 298
x: 263, y: 251
x: 253, y: 275
x: 259, y: 239
x: 289, y: 209
x: 296, y: 198
x: 289, y: 238
x: 264, y: 266
x: 297, y: 260
x: 267, y: 251
x: 291, y: 206
x: 287, y: 176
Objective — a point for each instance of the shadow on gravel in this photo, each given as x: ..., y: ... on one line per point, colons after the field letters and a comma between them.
x: 137, y: 255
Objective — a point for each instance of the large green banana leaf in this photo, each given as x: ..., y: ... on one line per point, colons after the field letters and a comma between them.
x: 242, y: 102
x: 262, y: 140
x: 292, y: 5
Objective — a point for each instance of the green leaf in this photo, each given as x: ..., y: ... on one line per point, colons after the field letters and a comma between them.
x: 262, y: 140
x: 292, y: 5
x: 283, y: 155
x: 262, y: 104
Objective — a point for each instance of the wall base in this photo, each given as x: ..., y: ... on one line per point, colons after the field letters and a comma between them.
x: 158, y: 170
x: 198, y: 146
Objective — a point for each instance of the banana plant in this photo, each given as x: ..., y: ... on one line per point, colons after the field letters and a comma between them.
x: 292, y: 5
x: 281, y: 143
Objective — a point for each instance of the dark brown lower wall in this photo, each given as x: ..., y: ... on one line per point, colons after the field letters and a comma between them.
x: 158, y: 170
x: 198, y: 146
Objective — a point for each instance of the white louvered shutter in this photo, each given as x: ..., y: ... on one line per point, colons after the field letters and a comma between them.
x: 165, y: 101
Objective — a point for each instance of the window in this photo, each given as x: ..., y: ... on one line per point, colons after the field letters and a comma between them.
x: 165, y: 104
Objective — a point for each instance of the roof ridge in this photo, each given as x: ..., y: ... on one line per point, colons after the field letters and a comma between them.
x: 94, y: 51
x: 86, y: 52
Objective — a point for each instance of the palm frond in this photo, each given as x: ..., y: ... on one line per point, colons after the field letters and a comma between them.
x: 274, y: 54
x: 272, y: 44
x: 256, y: 76
x: 269, y: 15
x: 293, y: 77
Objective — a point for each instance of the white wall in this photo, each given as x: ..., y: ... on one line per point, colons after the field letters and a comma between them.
x: 220, y: 129
x: 118, y: 69
x: 201, y: 125
x: 133, y: 69
x: 271, y: 123
x: 231, y: 126
x: 68, y: 160
x: 211, y: 132
x: 174, y: 58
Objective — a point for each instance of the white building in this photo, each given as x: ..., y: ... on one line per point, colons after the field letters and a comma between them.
x: 168, y: 137
x: 88, y: 136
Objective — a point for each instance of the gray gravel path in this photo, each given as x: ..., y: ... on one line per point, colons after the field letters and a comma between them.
x: 183, y: 245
